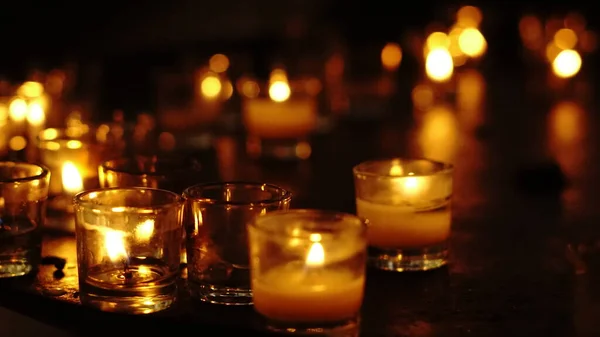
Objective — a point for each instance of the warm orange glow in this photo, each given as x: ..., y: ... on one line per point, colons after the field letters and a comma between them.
x: 471, y: 42
x: 31, y: 89
x: 588, y: 41
x: 3, y: 113
x: 469, y: 16
x: 565, y: 38
x: 437, y: 40
x: 114, y: 243
x: 71, y: 178
x: 248, y: 88
x: 532, y: 32
x: 470, y: 93
x: 144, y: 231
x: 576, y: 22
x: 218, y: 63
x: 391, y: 56
x: 17, y: 110
x: 567, y: 63
x: 210, y: 86
x: 36, y: 115
x: 439, y: 65
x: 567, y: 123
x: 17, y: 143
x: 438, y: 136
x: 279, y: 91
x: 278, y: 75
x: 422, y: 97
x: 552, y: 51
x: 316, y: 255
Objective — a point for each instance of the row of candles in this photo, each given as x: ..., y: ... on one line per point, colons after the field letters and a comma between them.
x: 243, y: 244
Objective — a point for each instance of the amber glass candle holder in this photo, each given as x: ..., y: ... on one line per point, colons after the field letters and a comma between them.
x: 23, y: 195
x: 308, y: 270
x: 128, y: 242
x: 407, y: 203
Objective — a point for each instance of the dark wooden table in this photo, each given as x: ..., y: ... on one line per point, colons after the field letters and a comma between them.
x: 524, y: 246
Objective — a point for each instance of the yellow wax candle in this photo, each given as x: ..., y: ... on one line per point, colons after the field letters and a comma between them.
x: 297, y: 293
x: 399, y: 226
x: 293, y: 118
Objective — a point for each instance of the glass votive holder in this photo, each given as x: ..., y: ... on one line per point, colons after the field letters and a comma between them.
x: 279, y: 122
x: 73, y: 158
x: 407, y: 203
x: 128, y: 242
x: 169, y: 172
x: 217, y: 241
x: 308, y: 270
x: 23, y: 195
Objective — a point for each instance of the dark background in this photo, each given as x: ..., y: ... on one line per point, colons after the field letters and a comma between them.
x: 118, y: 46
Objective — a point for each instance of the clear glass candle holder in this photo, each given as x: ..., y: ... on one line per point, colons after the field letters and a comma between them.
x: 23, y: 195
x: 407, y: 203
x: 308, y: 270
x: 217, y: 240
x: 279, y: 120
x: 128, y: 242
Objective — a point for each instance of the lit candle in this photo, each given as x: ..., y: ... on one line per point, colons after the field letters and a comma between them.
x: 312, y: 291
x: 280, y: 116
x: 71, y: 179
x: 395, y: 223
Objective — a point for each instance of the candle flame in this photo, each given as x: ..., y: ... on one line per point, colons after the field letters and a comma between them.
x: 316, y: 255
x: 279, y: 91
x: 71, y: 179
x: 17, y: 110
x: 144, y: 231
x: 411, y: 184
x: 115, y: 245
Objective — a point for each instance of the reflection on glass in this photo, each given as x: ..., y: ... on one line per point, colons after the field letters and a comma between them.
x: 438, y: 134
x: 566, y: 135
x: 469, y: 98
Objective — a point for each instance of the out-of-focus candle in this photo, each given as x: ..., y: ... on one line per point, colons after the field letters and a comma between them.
x: 280, y: 115
x: 316, y: 280
x: 407, y: 203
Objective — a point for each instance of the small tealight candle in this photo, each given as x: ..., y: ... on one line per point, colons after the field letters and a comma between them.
x: 128, y: 242
x: 407, y: 203
x: 279, y: 123
x: 312, y: 278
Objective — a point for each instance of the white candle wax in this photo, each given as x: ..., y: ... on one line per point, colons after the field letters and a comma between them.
x: 399, y: 226
x: 296, y: 293
x: 294, y: 118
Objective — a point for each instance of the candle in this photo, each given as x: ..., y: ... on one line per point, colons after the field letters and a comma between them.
x: 268, y: 119
x: 307, y: 292
x: 128, y: 242
x: 399, y: 226
x: 307, y: 269
x: 407, y: 204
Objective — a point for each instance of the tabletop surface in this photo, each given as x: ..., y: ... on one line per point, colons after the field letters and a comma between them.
x: 523, y: 248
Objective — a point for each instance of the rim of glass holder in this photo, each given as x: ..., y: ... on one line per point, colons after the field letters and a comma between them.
x: 282, y: 194
x: 360, y: 224
x: 44, y: 172
x: 363, y: 168
x: 105, y: 165
x: 80, y: 201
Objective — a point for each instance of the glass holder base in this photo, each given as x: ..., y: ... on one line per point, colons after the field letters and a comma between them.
x: 415, y: 259
x: 346, y: 328
x: 129, y: 305
x: 223, y: 295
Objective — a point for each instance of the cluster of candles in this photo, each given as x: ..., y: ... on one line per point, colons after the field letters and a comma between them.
x: 559, y: 41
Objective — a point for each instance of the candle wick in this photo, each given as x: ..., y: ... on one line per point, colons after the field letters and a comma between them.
x: 126, y: 272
